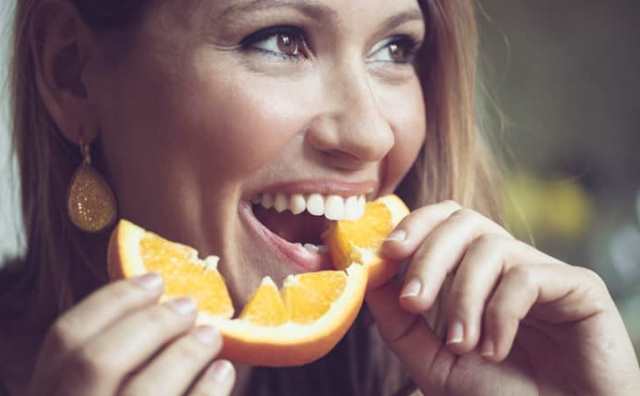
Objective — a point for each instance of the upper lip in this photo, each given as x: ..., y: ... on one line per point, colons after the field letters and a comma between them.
x: 324, y: 187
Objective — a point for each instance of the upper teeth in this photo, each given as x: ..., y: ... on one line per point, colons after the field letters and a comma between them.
x: 333, y: 207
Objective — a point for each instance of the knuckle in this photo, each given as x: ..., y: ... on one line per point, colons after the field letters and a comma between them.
x: 594, y: 279
x: 496, y: 314
x: 595, y: 290
x: 188, y: 347
x: 159, y: 316
x: 470, y: 218
x: 87, y: 366
x: 460, y: 303
x: 451, y: 203
x: 490, y: 242
x: 123, y: 291
x: 524, y: 276
x: 62, y: 336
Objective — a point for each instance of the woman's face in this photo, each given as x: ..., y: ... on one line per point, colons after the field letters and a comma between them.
x: 218, y: 103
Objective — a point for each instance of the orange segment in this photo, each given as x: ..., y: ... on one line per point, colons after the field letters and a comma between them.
x: 266, y: 307
x: 184, y: 274
x: 359, y: 241
x: 309, y: 296
x: 323, y: 304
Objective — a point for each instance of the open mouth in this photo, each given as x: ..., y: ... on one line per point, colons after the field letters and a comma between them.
x: 293, y: 224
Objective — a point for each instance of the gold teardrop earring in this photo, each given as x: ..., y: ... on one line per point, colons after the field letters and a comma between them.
x: 91, y: 204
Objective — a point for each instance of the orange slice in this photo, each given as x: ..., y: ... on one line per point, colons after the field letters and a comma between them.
x: 293, y: 326
x: 359, y: 241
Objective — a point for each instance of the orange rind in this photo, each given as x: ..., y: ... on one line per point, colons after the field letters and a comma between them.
x: 288, y: 327
x: 294, y: 325
x: 359, y: 241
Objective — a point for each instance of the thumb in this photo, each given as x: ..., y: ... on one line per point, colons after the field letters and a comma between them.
x: 408, y: 335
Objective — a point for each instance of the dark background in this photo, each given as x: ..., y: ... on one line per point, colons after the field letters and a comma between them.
x: 566, y: 77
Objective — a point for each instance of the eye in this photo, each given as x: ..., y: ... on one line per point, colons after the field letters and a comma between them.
x: 397, y: 49
x: 282, y: 41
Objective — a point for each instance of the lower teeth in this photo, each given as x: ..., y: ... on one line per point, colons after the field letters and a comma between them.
x: 310, y: 247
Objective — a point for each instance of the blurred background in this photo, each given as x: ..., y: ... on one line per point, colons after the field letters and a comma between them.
x: 562, y: 84
x: 565, y: 76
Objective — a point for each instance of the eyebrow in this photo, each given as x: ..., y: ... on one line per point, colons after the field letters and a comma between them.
x: 308, y: 7
x: 317, y: 11
x: 414, y: 14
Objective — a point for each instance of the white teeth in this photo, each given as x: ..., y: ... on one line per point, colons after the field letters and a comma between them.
x: 267, y: 201
x: 334, y: 207
x: 281, y: 202
x: 362, y: 202
x: 315, y: 249
x: 298, y: 204
x: 315, y: 205
x: 311, y: 247
x: 351, y: 208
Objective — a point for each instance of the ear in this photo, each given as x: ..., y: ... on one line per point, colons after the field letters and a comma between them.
x: 61, y: 46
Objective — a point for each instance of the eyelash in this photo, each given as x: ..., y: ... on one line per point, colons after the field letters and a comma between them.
x: 249, y: 43
x: 405, y: 43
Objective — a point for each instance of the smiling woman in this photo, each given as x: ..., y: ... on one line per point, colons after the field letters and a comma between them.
x: 242, y: 128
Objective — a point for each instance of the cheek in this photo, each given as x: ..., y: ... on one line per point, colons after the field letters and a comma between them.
x: 239, y: 123
x: 405, y: 110
x: 209, y: 120
x: 244, y: 121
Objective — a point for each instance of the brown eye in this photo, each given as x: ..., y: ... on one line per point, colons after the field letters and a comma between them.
x: 396, y: 50
x: 398, y: 53
x: 289, y: 44
x: 285, y: 42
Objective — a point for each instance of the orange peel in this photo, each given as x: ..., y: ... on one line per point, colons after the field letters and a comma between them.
x: 294, y: 325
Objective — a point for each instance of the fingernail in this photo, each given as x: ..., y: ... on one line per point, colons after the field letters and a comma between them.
x: 182, y: 306
x: 221, y: 370
x: 206, y: 334
x: 397, y: 236
x: 456, y: 333
x: 412, y: 289
x: 488, y: 349
x: 150, y: 281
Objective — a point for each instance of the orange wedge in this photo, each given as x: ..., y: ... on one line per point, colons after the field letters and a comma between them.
x: 359, y: 241
x: 293, y: 326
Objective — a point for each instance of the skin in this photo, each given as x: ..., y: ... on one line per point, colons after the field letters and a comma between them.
x: 342, y: 114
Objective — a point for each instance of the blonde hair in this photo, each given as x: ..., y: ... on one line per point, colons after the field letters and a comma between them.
x: 454, y: 164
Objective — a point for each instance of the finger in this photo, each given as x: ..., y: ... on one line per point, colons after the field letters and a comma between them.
x: 107, y: 358
x: 174, y: 370
x: 440, y: 254
x: 474, y: 280
x: 553, y: 292
x: 99, y: 310
x: 411, y: 231
x: 218, y: 380
x: 426, y: 359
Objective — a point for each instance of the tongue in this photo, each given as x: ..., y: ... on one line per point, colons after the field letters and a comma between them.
x: 302, y: 228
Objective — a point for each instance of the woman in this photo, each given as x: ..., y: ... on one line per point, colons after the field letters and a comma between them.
x: 190, y: 110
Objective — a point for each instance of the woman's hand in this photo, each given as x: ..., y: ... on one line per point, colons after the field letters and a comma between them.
x: 120, y: 341
x: 518, y: 321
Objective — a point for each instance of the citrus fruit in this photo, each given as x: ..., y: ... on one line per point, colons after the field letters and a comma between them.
x: 359, y: 241
x: 293, y: 326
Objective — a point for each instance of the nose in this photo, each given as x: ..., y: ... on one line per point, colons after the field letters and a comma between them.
x: 352, y: 130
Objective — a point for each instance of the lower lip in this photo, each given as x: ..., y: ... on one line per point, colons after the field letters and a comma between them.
x: 299, y: 257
